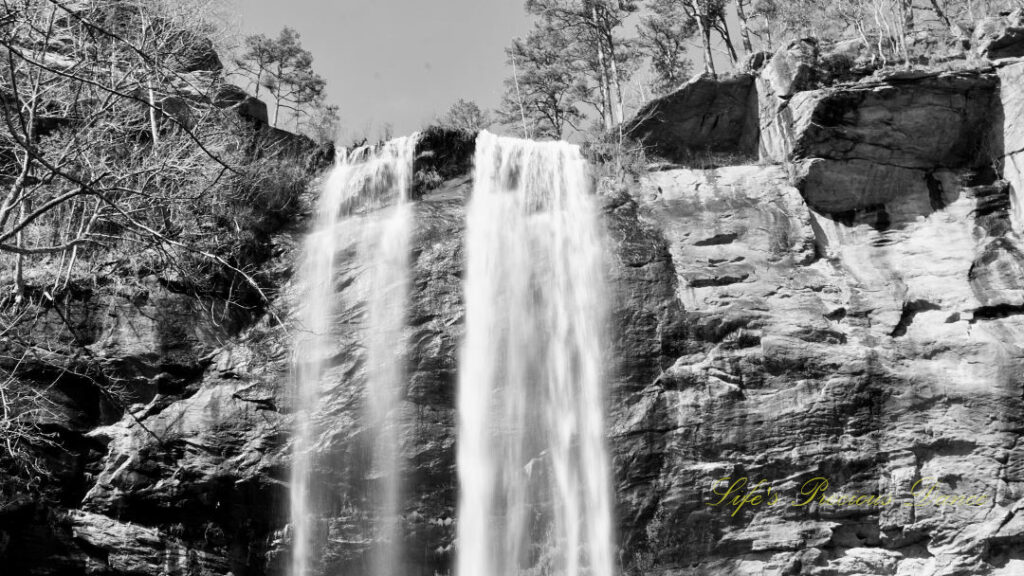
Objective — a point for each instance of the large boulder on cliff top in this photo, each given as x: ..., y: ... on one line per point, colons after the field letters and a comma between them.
x: 868, y: 143
x: 248, y: 106
x: 999, y: 37
x: 706, y: 114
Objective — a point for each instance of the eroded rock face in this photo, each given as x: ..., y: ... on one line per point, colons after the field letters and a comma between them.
x: 866, y: 351
x: 1010, y: 136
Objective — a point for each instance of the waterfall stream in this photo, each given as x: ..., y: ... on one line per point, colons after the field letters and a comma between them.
x: 535, y: 494
x: 374, y: 182
x: 533, y: 470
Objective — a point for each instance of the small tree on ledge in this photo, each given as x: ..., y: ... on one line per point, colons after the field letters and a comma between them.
x: 285, y: 69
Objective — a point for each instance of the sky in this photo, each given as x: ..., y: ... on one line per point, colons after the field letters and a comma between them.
x: 402, y: 62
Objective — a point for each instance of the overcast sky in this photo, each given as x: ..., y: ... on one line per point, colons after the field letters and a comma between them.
x: 398, y: 61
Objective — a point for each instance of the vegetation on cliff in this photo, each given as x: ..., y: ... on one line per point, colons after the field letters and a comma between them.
x: 582, y: 59
x: 126, y: 155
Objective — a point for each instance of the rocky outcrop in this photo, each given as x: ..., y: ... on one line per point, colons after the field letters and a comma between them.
x: 854, y: 316
x: 704, y: 115
x: 866, y: 144
x: 792, y: 69
x: 1000, y: 37
x: 247, y: 106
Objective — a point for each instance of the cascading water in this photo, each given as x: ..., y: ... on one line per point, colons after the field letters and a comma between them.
x: 364, y: 180
x: 532, y: 462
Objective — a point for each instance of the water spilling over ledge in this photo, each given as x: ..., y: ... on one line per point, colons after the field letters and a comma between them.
x: 532, y: 462
x: 364, y: 180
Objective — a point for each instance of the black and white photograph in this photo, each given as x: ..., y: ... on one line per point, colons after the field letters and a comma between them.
x: 511, y: 288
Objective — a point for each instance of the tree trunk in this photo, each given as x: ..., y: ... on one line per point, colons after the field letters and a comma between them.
x: 606, y: 89
x: 277, y: 92
x: 152, y: 112
x: 19, y: 263
x: 723, y: 31
x: 615, y: 79
x: 744, y: 28
x: 705, y: 35
x: 768, y: 33
x: 907, y: 7
x: 519, y: 96
x: 941, y: 14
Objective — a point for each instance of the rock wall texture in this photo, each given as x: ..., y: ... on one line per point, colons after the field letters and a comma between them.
x: 851, y: 308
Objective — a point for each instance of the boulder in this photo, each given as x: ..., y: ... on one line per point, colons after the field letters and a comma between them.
x: 865, y: 144
x: 753, y: 63
x: 792, y: 68
x: 247, y: 106
x: 199, y: 53
x: 999, y: 37
x: 705, y: 115
x: 177, y: 109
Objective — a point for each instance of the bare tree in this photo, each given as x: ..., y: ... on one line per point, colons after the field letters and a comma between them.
x: 115, y: 162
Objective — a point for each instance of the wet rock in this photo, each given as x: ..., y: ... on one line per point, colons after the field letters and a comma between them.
x: 118, y: 548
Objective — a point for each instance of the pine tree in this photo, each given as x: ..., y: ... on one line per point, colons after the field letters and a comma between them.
x: 595, y: 25
x: 285, y: 69
x: 466, y: 115
x: 664, y: 34
x: 546, y: 87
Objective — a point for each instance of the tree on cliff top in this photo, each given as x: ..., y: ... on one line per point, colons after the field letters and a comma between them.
x: 595, y: 28
x: 285, y: 69
x: 664, y: 36
x: 465, y: 115
x: 546, y: 87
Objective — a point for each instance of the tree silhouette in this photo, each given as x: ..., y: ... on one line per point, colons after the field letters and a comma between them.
x: 285, y: 69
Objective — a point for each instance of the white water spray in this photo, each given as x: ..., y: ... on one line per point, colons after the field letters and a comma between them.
x: 365, y: 180
x: 533, y: 467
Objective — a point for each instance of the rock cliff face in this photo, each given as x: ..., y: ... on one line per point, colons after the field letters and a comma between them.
x: 851, y: 308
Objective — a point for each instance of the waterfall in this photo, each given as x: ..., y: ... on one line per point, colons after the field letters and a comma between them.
x: 532, y: 463
x: 368, y: 188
